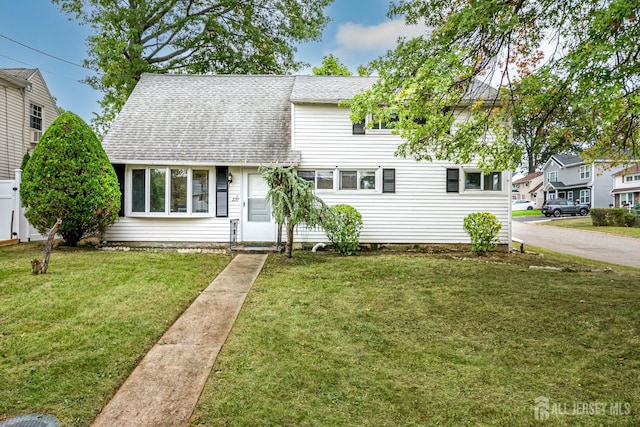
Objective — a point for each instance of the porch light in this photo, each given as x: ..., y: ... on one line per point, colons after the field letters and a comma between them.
x: 230, y: 178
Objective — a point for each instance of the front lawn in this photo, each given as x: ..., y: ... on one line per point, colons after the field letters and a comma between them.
x: 418, y: 339
x: 532, y: 212
x: 68, y: 339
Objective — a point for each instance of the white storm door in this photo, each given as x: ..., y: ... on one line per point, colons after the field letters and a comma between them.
x: 258, y: 224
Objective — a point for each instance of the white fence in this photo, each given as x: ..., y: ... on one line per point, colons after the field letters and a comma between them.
x: 13, y: 224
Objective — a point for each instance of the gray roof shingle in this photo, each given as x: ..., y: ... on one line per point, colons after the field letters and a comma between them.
x: 195, y: 119
x: 328, y: 89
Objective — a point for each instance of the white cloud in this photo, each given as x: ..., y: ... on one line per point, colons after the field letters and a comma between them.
x: 376, y: 39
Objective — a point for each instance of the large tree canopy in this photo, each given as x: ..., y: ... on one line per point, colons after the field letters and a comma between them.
x: 331, y: 66
x: 131, y: 37
x: 589, y: 49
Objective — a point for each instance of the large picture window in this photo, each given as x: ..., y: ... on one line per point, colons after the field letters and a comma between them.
x: 169, y: 191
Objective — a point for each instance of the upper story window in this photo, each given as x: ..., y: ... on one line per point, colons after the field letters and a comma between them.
x: 358, y: 180
x: 35, y: 117
x: 552, y: 176
x: 631, y: 178
x: 585, y: 172
x: 377, y: 124
x: 169, y: 191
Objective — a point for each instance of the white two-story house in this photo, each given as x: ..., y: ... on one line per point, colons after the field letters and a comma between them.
x: 187, y: 150
x: 626, y: 187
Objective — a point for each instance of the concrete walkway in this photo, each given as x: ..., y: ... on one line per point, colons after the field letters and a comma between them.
x: 164, y: 388
x: 587, y: 244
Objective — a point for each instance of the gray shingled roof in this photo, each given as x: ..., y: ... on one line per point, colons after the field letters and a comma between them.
x: 18, y: 76
x: 328, y: 89
x: 220, y: 119
x: 568, y: 159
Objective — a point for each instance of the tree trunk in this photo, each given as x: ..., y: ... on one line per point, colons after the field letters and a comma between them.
x: 289, y: 247
x: 47, y: 247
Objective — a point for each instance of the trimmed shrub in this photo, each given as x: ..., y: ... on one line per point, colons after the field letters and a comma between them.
x: 343, y: 224
x: 69, y: 176
x: 612, y: 217
x: 483, y: 228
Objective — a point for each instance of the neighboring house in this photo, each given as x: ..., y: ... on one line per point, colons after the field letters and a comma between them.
x: 626, y: 187
x: 187, y: 149
x: 26, y: 110
x: 529, y: 187
x: 567, y: 176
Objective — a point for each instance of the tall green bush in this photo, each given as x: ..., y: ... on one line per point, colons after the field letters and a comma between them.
x: 343, y: 224
x: 483, y: 228
x: 69, y: 176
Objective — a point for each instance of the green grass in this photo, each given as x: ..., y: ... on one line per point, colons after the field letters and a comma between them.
x: 532, y: 212
x: 399, y: 339
x: 68, y: 339
x: 585, y: 223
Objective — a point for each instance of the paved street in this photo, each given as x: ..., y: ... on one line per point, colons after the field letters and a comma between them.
x: 587, y: 244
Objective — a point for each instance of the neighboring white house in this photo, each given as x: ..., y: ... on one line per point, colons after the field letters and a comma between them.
x: 568, y: 176
x: 26, y: 110
x: 187, y: 149
x: 626, y: 187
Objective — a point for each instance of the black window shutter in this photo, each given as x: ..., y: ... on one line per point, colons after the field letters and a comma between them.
x: 222, y: 191
x: 453, y: 180
x: 388, y: 180
x: 358, y: 128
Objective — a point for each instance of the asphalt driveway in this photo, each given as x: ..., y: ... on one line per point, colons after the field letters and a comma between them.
x: 588, y: 244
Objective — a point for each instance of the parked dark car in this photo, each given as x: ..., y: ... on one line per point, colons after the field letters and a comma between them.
x: 560, y: 207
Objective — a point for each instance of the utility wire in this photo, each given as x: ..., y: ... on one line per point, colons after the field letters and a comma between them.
x: 41, y: 52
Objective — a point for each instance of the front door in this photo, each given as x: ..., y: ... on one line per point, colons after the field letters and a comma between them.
x: 258, y: 224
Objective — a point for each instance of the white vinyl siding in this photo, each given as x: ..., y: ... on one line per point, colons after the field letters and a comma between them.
x: 16, y: 135
x: 419, y: 211
x: 192, y: 228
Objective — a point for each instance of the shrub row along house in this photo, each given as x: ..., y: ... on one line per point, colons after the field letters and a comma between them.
x: 187, y: 149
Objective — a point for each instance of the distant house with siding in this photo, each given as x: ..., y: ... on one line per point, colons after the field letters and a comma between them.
x: 626, y: 187
x: 187, y: 149
x: 26, y: 110
x: 568, y: 176
x: 529, y: 187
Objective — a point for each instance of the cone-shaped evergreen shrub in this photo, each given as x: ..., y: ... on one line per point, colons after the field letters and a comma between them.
x: 69, y: 176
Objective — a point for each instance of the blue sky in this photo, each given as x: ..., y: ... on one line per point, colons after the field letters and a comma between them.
x: 359, y: 32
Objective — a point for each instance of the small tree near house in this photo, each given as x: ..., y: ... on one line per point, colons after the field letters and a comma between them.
x: 69, y: 176
x: 292, y: 201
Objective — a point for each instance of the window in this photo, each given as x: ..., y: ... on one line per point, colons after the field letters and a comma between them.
x: 585, y: 171
x: 570, y: 195
x: 626, y: 199
x: 473, y: 180
x: 358, y: 180
x: 35, y: 117
x: 552, y: 176
x: 585, y: 197
x: 631, y: 178
x: 169, y: 191
x: 477, y: 180
x: 380, y: 125
x: 320, y: 180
